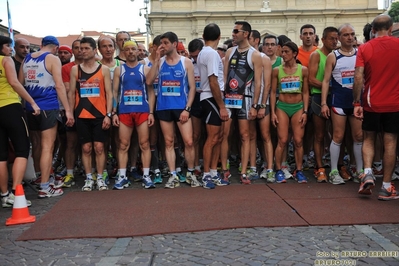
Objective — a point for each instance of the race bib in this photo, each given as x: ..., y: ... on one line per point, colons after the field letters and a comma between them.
x: 89, y: 89
x: 348, y: 78
x: 197, y: 83
x: 170, y: 88
x: 290, y: 84
x: 133, y: 97
x: 233, y: 101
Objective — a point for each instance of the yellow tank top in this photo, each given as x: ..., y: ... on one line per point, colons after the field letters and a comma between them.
x: 7, y: 94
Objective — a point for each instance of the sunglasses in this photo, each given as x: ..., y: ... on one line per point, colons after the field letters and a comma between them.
x: 235, y: 31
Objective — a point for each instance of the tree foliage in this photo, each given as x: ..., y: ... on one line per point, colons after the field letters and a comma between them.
x: 394, y: 11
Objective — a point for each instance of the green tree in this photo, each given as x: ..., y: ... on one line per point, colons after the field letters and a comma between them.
x: 394, y: 12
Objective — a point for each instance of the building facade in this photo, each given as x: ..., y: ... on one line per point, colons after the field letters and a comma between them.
x: 187, y: 18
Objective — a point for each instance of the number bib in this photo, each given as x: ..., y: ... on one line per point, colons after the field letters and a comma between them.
x: 290, y: 85
x: 170, y: 88
x: 155, y: 85
x: 233, y: 101
x: 89, y: 90
x: 348, y: 78
x: 197, y: 83
x: 133, y: 97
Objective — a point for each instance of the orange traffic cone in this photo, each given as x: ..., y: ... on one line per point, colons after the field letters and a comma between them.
x: 20, y: 212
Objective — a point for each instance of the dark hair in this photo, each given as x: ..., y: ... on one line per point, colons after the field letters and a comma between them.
x: 269, y: 36
x: 255, y: 34
x: 282, y: 39
x: 245, y: 26
x: 292, y: 46
x: 157, y: 40
x: 171, y: 36
x: 195, y: 45
x: 317, y: 39
x: 229, y: 43
x: 103, y: 38
x: 4, y: 40
x: 382, y: 22
x: 119, y: 32
x: 211, y: 32
x: 77, y: 40
x: 308, y: 26
x: 328, y: 30
x: 366, y: 31
x: 90, y: 41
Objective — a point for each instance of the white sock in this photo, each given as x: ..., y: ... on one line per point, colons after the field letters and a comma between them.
x: 386, y: 185
x: 122, y: 172
x: 334, y: 154
x: 357, y: 151
x: 146, y: 171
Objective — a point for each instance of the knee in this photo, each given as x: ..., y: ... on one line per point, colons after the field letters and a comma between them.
x: 145, y: 145
x: 86, y: 149
x: 124, y: 145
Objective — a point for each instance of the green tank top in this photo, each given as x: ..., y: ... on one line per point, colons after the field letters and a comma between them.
x: 277, y: 62
x: 320, y: 72
x: 290, y: 83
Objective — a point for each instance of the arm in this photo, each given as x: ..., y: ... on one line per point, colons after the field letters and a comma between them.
x: 214, y: 85
x: 115, y: 90
x: 273, y: 94
x: 313, y: 67
x: 184, y: 116
x: 305, y: 95
x: 154, y: 70
x: 12, y: 79
x: 267, y: 74
x: 151, y: 99
x: 72, y: 86
x: 54, y: 64
x: 326, y: 85
x: 257, y: 61
x: 357, y: 90
x: 108, y: 95
x: 226, y: 63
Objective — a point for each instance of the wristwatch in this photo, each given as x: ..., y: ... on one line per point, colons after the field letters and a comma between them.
x: 188, y: 109
x: 109, y: 115
x: 263, y: 106
x: 255, y: 106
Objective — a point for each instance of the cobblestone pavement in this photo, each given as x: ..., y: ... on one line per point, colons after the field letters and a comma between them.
x: 312, y: 245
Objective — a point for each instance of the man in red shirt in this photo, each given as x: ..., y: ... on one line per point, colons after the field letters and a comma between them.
x: 379, y: 107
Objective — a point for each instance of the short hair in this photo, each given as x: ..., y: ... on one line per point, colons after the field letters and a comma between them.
x: 292, y: 46
x: 282, y: 39
x: 157, y: 40
x: 245, y: 26
x: 228, y: 43
x: 195, y: 45
x: 382, y: 22
x: 328, y: 30
x: 269, y: 36
x: 90, y: 41
x: 211, y: 32
x: 171, y: 36
x: 103, y: 38
x: 308, y: 26
x: 255, y: 34
x: 317, y: 39
x: 120, y: 32
x: 77, y: 40
x: 4, y: 40
x: 344, y: 26
x: 366, y: 31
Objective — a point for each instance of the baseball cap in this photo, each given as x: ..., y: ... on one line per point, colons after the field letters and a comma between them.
x: 50, y: 40
x: 65, y: 48
x: 222, y: 47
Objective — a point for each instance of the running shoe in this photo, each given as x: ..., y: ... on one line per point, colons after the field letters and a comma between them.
x: 121, y: 183
x: 388, y: 194
x: 101, y: 185
x: 207, y: 182
x: 335, y: 178
x: 68, y: 181
x: 181, y: 176
x: 263, y: 174
x: 252, y: 174
x: 366, y: 184
x: 280, y: 176
x: 173, y: 182
x: 192, y: 180
x: 270, y: 176
x: 344, y: 173
x: 357, y: 177
x: 158, y: 178
x: 226, y: 175
x: 218, y: 181
x: 300, y: 177
x: 286, y: 172
x: 147, y: 182
x: 320, y: 175
x: 395, y: 176
x: 8, y: 201
x: 50, y: 192
x: 56, y: 182
x: 197, y: 173
x: 244, y: 179
x: 378, y: 171
x: 106, y: 177
x: 89, y: 184
x: 135, y: 175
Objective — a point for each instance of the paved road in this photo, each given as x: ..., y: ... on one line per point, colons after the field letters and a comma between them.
x: 313, y: 245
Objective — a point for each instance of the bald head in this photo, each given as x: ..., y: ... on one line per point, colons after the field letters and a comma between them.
x: 142, y: 51
x: 22, y: 48
x: 382, y: 23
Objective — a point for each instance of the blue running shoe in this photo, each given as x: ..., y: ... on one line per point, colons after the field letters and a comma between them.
x: 135, y: 175
x: 106, y: 177
x: 207, y: 182
x: 147, y: 182
x: 158, y: 178
x: 121, y: 183
x: 252, y: 174
x: 280, y: 177
x: 181, y: 176
x: 300, y: 177
x: 219, y: 181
